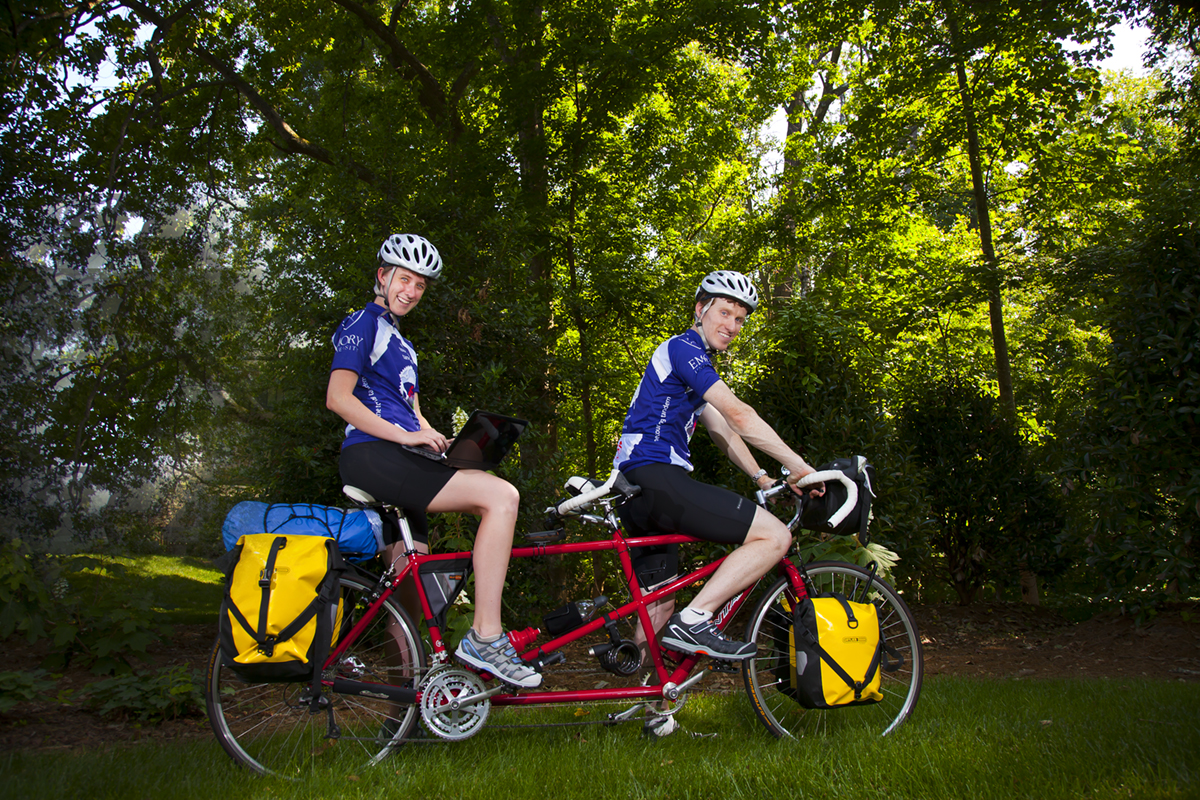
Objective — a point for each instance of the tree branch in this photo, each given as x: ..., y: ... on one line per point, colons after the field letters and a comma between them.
x: 291, y: 142
x: 430, y: 94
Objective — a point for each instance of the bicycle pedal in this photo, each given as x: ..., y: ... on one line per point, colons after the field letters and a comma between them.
x: 723, y: 666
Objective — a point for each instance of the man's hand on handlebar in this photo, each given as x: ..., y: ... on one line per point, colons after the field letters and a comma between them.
x: 816, y: 490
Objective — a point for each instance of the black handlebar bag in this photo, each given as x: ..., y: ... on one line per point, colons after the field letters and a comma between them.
x: 816, y: 511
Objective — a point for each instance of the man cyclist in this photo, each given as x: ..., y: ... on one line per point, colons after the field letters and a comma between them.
x: 680, y: 387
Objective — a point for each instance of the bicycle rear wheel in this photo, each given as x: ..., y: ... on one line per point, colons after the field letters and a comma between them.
x: 766, y: 675
x: 269, y: 727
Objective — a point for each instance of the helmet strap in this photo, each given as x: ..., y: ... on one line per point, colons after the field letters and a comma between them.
x: 699, y: 319
x: 387, y: 303
x: 382, y: 292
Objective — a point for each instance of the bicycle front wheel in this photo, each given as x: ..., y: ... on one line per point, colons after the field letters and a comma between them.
x: 269, y: 727
x: 767, y: 675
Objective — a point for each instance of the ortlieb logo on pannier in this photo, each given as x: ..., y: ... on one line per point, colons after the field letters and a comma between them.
x: 282, y: 607
x: 836, y: 653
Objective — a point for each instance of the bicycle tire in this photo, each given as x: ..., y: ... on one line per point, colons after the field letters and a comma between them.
x: 266, y: 728
x: 764, y: 674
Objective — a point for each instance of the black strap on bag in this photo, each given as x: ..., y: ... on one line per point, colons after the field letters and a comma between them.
x: 866, y: 589
x: 865, y: 505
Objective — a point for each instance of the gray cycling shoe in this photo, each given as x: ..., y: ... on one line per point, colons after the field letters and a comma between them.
x: 704, y: 639
x: 498, y: 658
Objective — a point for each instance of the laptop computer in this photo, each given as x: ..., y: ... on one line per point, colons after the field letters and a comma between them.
x: 481, y: 444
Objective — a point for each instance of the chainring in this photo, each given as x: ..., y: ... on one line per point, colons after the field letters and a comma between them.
x: 443, y: 716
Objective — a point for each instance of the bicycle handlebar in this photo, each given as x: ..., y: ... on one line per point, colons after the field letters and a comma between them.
x: 566, y: 507
x: 821, y: 477
x: 571, y: 504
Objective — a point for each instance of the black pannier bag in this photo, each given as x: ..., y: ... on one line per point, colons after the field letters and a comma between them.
x: 816, y: 511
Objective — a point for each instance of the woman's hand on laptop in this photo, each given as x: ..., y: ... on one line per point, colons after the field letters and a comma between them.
x: 428, y: 438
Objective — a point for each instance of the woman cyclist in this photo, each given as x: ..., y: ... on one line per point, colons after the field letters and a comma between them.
x: 373, y: 386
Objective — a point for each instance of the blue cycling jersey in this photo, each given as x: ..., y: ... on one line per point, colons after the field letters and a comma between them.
x: 662, y: 415
x: 368, y: 344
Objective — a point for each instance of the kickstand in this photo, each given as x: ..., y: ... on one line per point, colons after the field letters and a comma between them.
x: 332, y: 731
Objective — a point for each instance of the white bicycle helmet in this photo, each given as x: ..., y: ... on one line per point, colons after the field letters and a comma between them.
x: 411, y: 252
x: 730, y: 284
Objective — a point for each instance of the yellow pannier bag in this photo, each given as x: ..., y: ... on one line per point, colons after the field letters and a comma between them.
x: 282, y: 607
x: 836, y: 651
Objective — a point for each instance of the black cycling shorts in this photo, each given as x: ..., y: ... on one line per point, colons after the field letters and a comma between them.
x: 672, y: 502
x: 391, y: 474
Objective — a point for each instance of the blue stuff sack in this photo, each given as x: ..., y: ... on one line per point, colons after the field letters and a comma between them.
x: 359, y: 532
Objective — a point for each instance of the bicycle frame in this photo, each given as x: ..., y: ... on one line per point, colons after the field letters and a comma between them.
x: 377, y: 683
x: 670, y: 681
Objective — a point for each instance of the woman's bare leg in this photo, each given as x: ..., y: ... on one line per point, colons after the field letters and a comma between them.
x: 496, y: 502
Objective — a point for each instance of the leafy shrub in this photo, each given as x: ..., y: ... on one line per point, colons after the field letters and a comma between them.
x: 105, y: 640
x: 25, y: 596
x: 847, y: 549
x: 993, y: 515
x: 1133, y: 459
x: 820, y: 392
x: 40, y: 599
x: 16, y: 687
x: 165, y: 694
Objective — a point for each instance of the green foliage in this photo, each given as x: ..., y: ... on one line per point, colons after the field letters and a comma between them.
x: 39, y: 599
x: 821, y: 395
x: 992, y: 515
x: 16, y: 687
x: 25, y: 592
x: 847, y: 549
x: 165, y: 694
x: 180, y: 239
x: 106, y: 640
x: 1134, y: 456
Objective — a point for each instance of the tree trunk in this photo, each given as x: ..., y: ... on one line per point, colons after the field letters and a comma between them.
x: 1029, y: 588
x: 984, y: 221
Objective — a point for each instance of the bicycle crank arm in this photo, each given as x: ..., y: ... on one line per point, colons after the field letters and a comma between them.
x: 459, y: 702
x: 382, y: 691
x: 672, y: 692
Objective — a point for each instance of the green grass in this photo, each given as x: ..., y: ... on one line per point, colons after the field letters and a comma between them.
x: 968, y: 739
x: 183, y: 590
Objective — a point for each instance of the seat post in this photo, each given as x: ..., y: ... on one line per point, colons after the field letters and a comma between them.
x: 405, y: 530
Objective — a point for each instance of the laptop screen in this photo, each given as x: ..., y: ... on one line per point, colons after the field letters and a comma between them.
x: 485, y: 440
